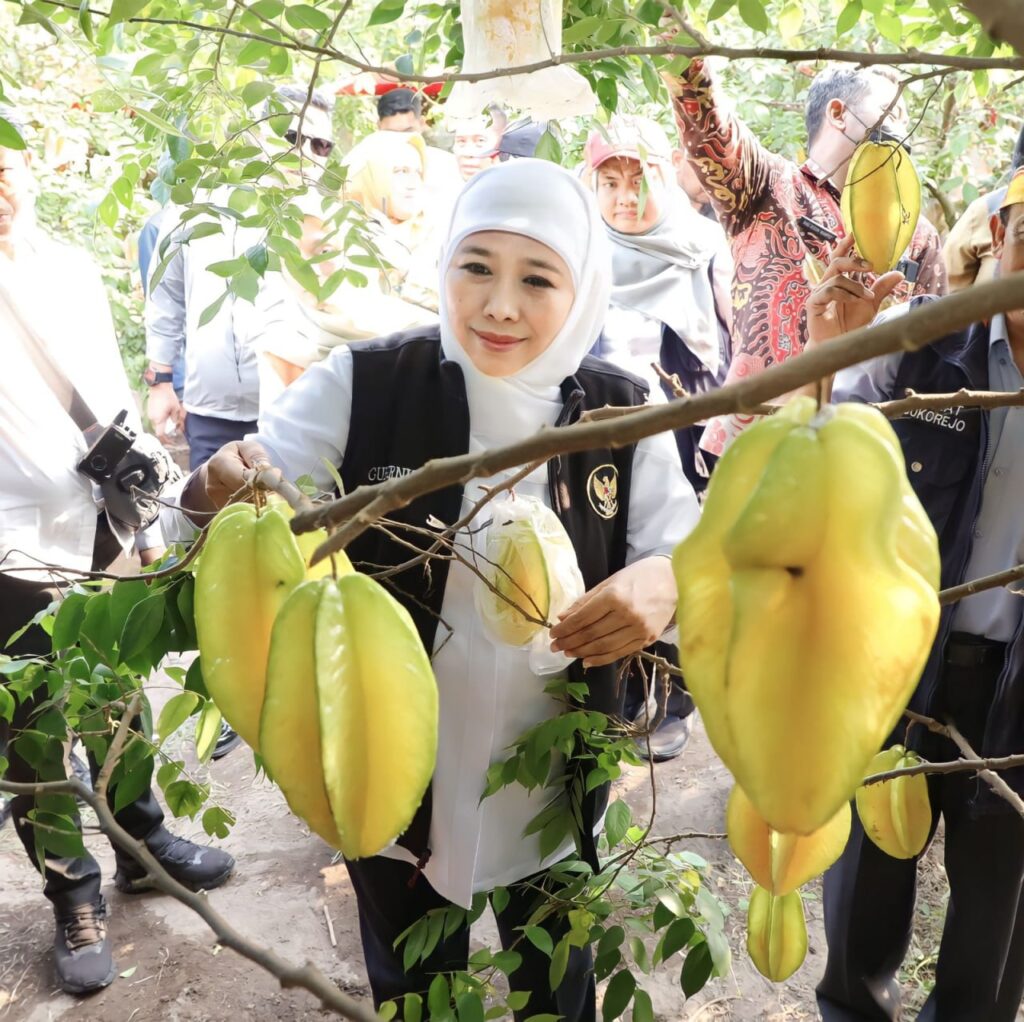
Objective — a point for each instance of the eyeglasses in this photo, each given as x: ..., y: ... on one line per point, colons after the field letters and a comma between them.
x: 318, y: 146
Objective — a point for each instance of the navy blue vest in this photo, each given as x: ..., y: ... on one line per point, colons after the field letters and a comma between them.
x: 945, y: 453
x: 408, y: 407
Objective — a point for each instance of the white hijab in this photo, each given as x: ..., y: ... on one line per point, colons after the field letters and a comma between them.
x: 541, y: 201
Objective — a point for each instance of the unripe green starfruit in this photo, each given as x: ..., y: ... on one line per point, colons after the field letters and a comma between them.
x: 881, y: 202
x: 776, y: 933
x: 896, y: 814
x: 249, y: 564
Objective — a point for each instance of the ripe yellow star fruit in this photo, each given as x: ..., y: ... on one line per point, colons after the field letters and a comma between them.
x: 782, y: 862
x: 309, y: 541
x: 249, y: 564
x: 378, y: 704
x: 807, y: 606
x: 776, y: 933
x: 881, y: 202
x: 897, y: 814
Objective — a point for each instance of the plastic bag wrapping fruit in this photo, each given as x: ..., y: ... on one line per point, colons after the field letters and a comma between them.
x: 529, y: 565
x: 511, y: 33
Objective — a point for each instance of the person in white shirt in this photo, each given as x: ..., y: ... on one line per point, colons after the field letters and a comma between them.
x: 525, y: 276
x: 52, y: 514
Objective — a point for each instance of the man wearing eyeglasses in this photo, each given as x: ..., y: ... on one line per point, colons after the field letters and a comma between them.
x: 224, y: 354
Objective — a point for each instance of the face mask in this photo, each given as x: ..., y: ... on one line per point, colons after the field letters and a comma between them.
x: 881, y: 134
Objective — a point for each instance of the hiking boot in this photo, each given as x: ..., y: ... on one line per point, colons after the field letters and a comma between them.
x: 82, y: 950
x: 197, y: 867
x: 226, y: 741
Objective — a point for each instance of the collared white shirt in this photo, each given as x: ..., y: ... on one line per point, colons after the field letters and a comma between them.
x: 488, y: 694
x: 48, y: 509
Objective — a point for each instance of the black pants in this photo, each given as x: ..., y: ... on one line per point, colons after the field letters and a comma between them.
x: 869, y: 896
x: 67, y: 881
x: 388, y: 905
x: 206, y: 435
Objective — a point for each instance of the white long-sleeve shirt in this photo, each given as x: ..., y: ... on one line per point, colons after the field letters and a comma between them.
x: 488, y: 694
x: 48, y: 509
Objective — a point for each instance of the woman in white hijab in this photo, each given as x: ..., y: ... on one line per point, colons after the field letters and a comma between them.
x: 525, y: 276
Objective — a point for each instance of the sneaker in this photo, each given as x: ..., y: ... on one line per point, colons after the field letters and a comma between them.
x: 197, y: 867
x: 227, y: 741
x: 82, y: 950
x: 669, y: 733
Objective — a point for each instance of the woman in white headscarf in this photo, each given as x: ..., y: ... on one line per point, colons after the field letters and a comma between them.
x: 525, y: 276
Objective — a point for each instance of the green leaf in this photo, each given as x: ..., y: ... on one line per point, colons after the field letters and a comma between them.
x: 720, y: 7
x: 131, y: 785
x: 387, y: 1011
x: 643, y: 1010
x: 559, y: 963
x: 652, y: 80
x: 790, y: 21
x: 618, y: 994
x: 217, y: 822
x: 548, y: 147
x: 142, y: 626
x: 608, y: 94
x: 210, y: 312
x: 107, y: 210
x: 158, y: 122
x: 304, y: 16
x: 412, y: 1008
x: 848, y: 17
x: 57, y: 834
x: 439, y: 997
x: 105, y: 101
x: 469, y: 1007
x: 256, y: 92
x: 582, y: 29
x: 616, y: 822
x: 696, y: 969
x: 10, y: 137
x: 890, y: 26
x: 677, y: 936
x: 258, y: 258
x: 69, y: 620
x: 185, y: 798
x: 176, y: 711
x: 169, y: 772
x: 753, y: 13
x: 540, y: 939
x: 385, y: 11
x: 122, y: 10
x: 122, y: 189
x: 85, y: 21
x: 194, y: 678
x: 207, y: 730
x: 6, y: 710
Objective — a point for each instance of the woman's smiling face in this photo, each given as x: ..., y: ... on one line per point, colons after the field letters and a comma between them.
x: 507, y: 298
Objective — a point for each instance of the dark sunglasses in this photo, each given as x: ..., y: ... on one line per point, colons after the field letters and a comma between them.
x: 319, y: 146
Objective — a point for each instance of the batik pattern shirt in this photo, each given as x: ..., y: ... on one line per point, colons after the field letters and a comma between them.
x: 758, y: 197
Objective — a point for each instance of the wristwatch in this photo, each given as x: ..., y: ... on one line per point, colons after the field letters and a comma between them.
x: 152, y: 377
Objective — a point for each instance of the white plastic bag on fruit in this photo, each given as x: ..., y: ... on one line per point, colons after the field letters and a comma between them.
x: 529, y: 559
x: 512, y: 33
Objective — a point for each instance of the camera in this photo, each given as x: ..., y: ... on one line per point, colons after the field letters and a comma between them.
x: 108, y: 450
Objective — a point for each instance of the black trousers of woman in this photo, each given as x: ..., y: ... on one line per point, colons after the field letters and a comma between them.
x: 388, y: 905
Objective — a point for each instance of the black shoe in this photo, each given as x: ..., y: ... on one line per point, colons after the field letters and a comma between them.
x: 82, y: 950
x: 227, y: 741
x: 197, y: 867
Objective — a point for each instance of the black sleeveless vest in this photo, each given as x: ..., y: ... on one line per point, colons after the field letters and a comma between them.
x: 409, y: 407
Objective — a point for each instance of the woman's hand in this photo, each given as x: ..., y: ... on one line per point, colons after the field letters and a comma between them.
x: 215, y: 483
x: 621, y: 615
x: 844, y: 301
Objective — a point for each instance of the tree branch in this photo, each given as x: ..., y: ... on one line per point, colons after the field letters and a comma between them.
x: 863, y: 59
x: 308, y: 976
x: 356, y: 511
x: 993, y: 780
x: 979, y: 585
x: 953, y: 766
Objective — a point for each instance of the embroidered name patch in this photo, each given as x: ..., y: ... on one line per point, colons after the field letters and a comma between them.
x: 603, y: 490
x: 382, y: 473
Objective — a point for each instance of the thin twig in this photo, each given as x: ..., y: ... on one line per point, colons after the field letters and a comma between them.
x: 953, y: 766
x: 124, y: 731
x: 979, y: 585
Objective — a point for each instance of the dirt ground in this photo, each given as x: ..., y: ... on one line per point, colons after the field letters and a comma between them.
x: 173, y: 971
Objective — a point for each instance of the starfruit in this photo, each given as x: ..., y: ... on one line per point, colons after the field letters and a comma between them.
x: 378, y: 706
x: 529, y: 571
x: 808, y: 605
x: 897, y: 814
x: 782, y: 862
x: 776, y: 933
x: 249, y: 564
x: 337, y: 564
x: 881, y: 202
